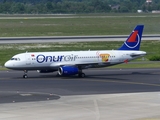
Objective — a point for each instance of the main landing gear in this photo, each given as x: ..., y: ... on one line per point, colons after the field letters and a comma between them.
x: 25, y: 74
x: 81, y: 74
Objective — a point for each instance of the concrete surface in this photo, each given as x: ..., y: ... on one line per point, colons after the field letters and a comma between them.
x: 123, y: 106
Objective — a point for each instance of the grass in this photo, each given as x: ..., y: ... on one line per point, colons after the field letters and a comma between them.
x: 75, y: 25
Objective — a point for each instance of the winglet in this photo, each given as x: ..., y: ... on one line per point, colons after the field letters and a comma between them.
x: 134, y: 40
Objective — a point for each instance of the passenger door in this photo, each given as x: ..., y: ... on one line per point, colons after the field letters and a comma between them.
x: 28, y: 59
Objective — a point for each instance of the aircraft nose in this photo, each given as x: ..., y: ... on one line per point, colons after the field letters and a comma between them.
x: 8, y: 64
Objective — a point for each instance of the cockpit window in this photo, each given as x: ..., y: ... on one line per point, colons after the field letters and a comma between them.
x: 17, y: 59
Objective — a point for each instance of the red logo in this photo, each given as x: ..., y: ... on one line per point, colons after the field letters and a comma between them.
x: 134, y: 40
x: 133, y: 37
x: 32, y: 55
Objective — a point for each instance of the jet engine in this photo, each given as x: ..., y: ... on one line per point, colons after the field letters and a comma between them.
x: 45, y: 71
x: 68, y: 70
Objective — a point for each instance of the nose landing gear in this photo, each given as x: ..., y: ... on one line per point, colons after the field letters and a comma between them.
x: 25, y: 74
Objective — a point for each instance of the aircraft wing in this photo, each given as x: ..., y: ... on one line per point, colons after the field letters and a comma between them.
x: 79, y: 64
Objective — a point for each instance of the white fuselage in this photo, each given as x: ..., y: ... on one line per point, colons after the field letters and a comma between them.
x: 85, y: 59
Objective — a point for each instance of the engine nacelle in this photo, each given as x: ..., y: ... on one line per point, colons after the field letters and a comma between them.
x: 68, y: 70
x: 45, y: 71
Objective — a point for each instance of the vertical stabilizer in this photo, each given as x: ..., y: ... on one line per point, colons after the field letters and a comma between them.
x: 134, y: 40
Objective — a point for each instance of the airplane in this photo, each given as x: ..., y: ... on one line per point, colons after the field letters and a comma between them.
x: 73, y: 62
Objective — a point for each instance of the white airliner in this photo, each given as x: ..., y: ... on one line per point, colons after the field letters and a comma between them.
x: 73, y: 62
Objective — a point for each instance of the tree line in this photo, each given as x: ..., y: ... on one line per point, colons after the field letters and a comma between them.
x: 75, y: 6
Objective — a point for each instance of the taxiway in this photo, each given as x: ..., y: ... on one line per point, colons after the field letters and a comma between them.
x: 116, y: 94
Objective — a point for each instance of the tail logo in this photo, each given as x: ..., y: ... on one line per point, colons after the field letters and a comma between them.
x: 133, y: 41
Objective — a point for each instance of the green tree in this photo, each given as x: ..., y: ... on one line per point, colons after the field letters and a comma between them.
x: 49, y: 6
x: 124, y: 9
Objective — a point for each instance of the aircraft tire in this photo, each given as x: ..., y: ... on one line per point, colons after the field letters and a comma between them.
x: 81, y: 75
x: 25, y: 76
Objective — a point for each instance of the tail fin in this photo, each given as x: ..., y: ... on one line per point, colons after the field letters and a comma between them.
x: 134, y: 40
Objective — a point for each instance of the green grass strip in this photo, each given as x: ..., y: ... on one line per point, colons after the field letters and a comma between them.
x: 75, y: 25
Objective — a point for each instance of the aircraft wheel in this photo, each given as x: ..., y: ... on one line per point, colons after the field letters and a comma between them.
x: 82, y: 75
x: 25, y: 76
